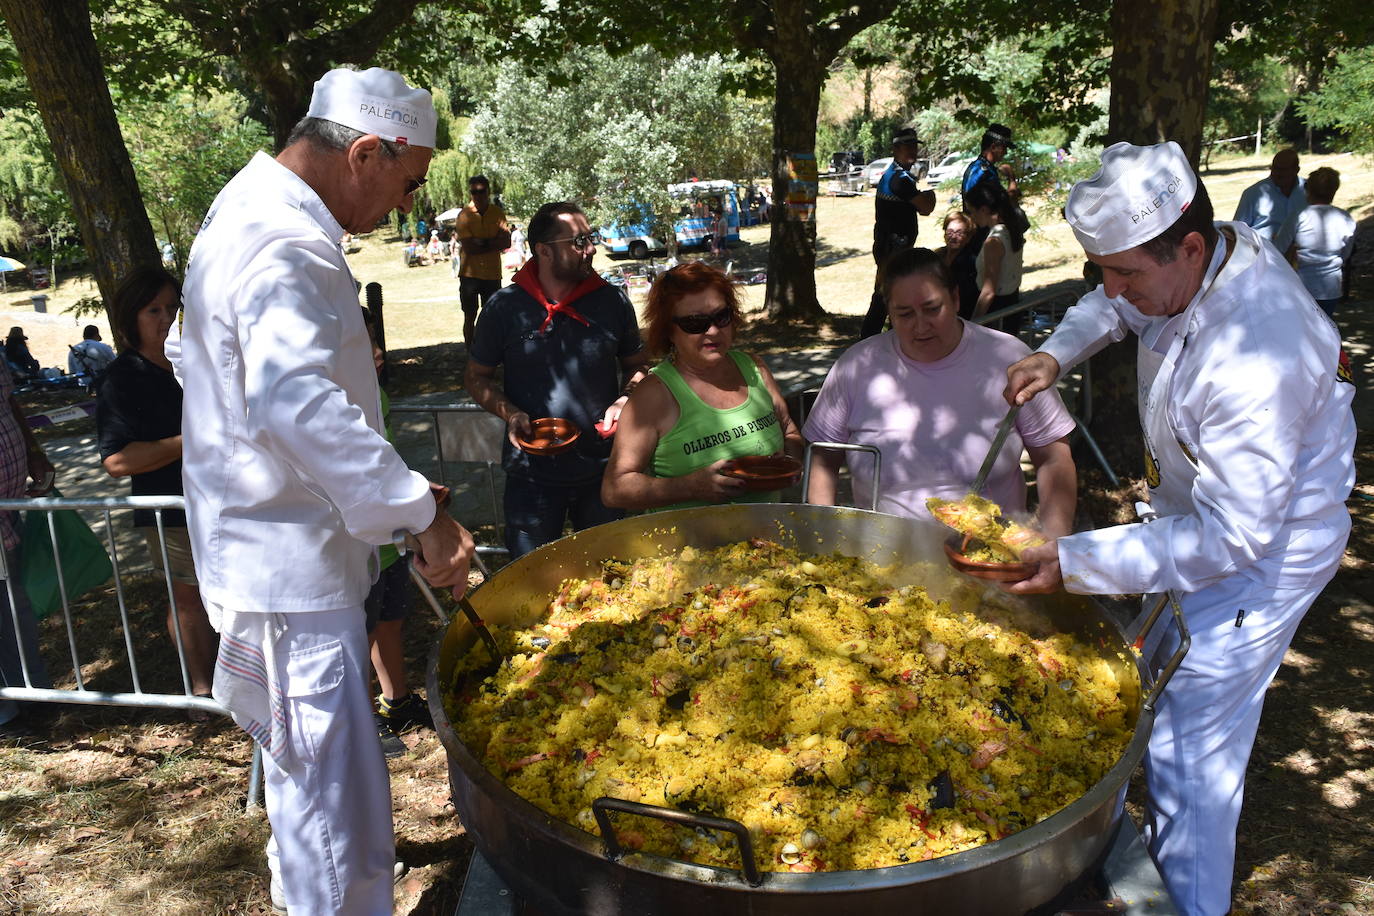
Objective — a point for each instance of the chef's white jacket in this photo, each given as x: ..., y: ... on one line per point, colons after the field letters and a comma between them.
x: 289, y: 480
x: 1257, y: 400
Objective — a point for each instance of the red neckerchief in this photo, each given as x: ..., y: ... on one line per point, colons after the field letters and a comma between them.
x: 527, y: 278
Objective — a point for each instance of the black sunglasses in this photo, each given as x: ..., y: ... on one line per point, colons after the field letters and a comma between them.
x: 415, y: 184
x: 582, y: 241
x: 697, y: 324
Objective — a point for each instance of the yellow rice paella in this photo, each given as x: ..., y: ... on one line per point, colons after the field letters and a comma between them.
x: 847, y: 723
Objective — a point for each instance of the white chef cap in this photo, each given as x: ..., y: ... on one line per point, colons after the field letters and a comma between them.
x: 375, y: 101
x: 1139, y: 192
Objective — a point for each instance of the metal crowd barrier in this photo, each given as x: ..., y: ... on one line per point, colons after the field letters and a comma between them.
x: 438, y: 414
x: 136, y: 695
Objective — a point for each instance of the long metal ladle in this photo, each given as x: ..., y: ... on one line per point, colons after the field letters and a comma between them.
x: 407, y: 543
x: 998, y: 440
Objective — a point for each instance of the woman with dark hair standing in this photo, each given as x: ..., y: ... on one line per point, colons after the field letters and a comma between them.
x: 704, y: 405
x: 999, y: 260
x: 928, y: 395
x: 138, y: 416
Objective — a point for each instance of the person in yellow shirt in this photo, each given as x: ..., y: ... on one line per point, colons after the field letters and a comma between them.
x: 483, y: 234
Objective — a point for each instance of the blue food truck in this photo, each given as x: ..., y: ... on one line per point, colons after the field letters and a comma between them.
x: 693, y: 226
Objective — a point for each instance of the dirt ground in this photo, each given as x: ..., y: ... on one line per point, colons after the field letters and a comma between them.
x: 135, y: 812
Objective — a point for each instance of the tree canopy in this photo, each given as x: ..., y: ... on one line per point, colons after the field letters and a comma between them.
x: 642, y: 120
x: 274, y: 50
x: 184, y: 150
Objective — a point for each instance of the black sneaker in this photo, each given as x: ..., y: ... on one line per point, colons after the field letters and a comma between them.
x: 409, y: 712
x: 392, y: 745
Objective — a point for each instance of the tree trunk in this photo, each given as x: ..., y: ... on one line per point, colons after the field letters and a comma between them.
x: 286, y: 95
x: 792, y: 243
x: 60, y: 59
x: 1161, y: 61
x: 796, y: 107
x: 1161, y: 58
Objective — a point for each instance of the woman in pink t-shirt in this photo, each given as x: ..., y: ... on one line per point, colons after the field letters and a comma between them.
x: 928, y: 394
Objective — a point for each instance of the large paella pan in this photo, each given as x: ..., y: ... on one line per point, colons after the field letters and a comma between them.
x: 561, y: 868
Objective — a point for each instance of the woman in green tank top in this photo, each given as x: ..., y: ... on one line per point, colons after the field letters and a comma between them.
x: 703, y: 406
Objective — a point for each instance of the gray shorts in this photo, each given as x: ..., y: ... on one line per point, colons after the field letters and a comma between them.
x: 178, y: 553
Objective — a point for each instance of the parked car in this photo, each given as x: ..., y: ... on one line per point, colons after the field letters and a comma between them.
x: 950, y: 167
x: 846, y: 161
x: 874, y: 170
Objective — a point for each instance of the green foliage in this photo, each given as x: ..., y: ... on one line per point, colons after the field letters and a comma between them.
x: 86, y: 307
x: 1245, y: 90
x: 872, y: 136
x: 451, y: 50
x: 1033, y: 64
x: 447, y: 187
x: 14, y: 87
x: 943, y: 133
x: 11, y: 233
x: 1346, y: 101
x: 614, y: 135
x: 184, y: 150
x: 36, y: 209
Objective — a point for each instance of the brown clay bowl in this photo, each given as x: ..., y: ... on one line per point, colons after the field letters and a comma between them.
x: 549, y: 436
x: 980, y: 569
x: 764, y: 472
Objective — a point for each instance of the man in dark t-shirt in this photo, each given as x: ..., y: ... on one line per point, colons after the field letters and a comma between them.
x: 897, y: 200
x: 564, y: 338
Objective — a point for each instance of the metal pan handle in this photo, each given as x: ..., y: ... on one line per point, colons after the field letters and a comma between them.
x: 1185, y: 640
x: 846, y: 447
x: 405, y: 542
x: 603, y: 806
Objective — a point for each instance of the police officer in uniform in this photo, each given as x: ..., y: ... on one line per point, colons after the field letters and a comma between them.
x: 898, y: 200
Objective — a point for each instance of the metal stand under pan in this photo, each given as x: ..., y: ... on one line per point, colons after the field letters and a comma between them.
x: 1128, y: 882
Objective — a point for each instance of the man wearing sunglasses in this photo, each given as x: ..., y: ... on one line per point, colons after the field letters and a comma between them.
x: 483, y: 234
x: 291, y: 484
x: 569, y: 345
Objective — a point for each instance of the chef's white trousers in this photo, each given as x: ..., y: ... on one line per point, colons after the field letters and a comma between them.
x: 329, y: 802
x: 1205, y: 727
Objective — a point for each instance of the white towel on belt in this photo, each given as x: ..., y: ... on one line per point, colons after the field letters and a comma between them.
x: 245, y: 676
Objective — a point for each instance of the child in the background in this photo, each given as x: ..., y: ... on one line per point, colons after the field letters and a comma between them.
x: 387, y: 606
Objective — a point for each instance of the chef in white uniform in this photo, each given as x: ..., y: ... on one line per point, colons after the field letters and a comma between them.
x: 1249, y: 443
x: 290, y: 482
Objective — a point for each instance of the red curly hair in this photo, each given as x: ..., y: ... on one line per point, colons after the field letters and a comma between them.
x: 683, y: 280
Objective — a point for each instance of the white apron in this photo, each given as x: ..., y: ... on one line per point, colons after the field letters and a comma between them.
x: 1169, y: 469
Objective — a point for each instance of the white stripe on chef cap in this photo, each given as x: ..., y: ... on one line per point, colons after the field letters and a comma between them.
x: 1138, y: 193
x: 376, y: 101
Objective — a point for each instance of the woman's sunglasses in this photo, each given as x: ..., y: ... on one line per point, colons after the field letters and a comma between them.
x: 697, y: 324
